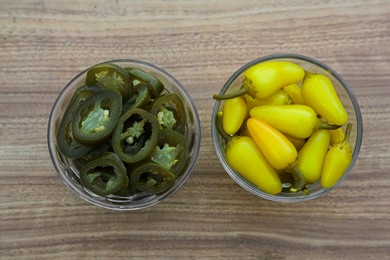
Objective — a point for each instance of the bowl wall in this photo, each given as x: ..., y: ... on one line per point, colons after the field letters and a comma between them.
x: 68, y: 172
x: 346, y: 96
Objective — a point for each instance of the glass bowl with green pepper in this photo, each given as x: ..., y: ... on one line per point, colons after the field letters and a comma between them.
x: 124, y: 135
x: 287, y: 128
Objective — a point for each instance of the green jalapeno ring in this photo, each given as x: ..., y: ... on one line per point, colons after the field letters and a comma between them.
x: 154, y: 84
x: 151, y: 177
x: 66, y: 142
x: 171, y: 151
x: 95, y: 118
x: 93, y: 154
x: 82, y: 93
x: 140, y: 98
x: 104, y: 175
x: 169, y: 109
x: 135, y: 135
x: 111, y: 76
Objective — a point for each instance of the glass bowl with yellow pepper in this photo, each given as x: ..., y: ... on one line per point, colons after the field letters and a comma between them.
x: 124, y: 135
x: 287, y: 128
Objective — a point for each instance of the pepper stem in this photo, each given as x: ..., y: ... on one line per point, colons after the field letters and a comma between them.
x: 218, y: 123
x: 299, y: 180
x: 347, y: 132
x: 327, y: 126
x: 308, y: 74
x: 243, y: 90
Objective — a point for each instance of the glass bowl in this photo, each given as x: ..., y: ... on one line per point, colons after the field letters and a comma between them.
x: 346, y: 97
x: 69, y: 173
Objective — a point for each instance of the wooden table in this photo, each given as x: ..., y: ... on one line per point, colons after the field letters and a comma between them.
x: 43, y: 44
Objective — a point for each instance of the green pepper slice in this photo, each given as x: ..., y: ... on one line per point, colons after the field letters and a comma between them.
x: 95, y: 118
x: 152, y: 178
x: 82, y: 93
x: 171, y: 151
x: 154, y: 84
x: 135, y: 135
x: 139, y: 99
x: 93, y: 154
x: 66, y: 142
x: 111, y: 76
x: 105, y: 175
x: 170, y: 112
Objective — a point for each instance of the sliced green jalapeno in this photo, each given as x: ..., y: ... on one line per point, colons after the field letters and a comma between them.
x: 170, y: 112
x: 111, y: 76
x: 135, y: 135
x: 96, y: 117
x: 139, y: 99
x: 94, y: 153
x: 154, y: 84
x: 104, y: 175
x: 171, y: 151
x: 82, y: 93
x: 66, y: 142
x: 151, y: 177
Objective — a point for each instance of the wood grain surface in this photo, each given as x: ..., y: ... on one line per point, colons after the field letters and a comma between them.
x: 43, y: 44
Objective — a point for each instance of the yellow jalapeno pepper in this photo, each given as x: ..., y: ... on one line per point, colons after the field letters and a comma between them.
x: 243, y: 155
x: 337, y: 161
x: 318, y: 92
x: 295, y: 120
x: 295, y: 93
x: 234, y: 113
x: 280, y: 97
x: 277, y: 149
x: 312, y: 155
x: 297, y: 142
x: 264, y: 79
x: 336, y: 136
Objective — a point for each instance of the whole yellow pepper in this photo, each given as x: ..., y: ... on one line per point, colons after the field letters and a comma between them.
x: 336, y: 136
x: 277, y: 149
x: 337, y: 161
x: 294, y: 91
x: 295, y: 120
x: 280, y: 97
x: 318, y: 92
x: 234, y: 113
x: 243, y: 155
x: 264, y: 79
x: 297, y: 142
x: 312, y: 155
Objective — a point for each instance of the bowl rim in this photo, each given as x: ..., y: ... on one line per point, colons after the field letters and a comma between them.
x: 125, y: 207
x: 235, y: 176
